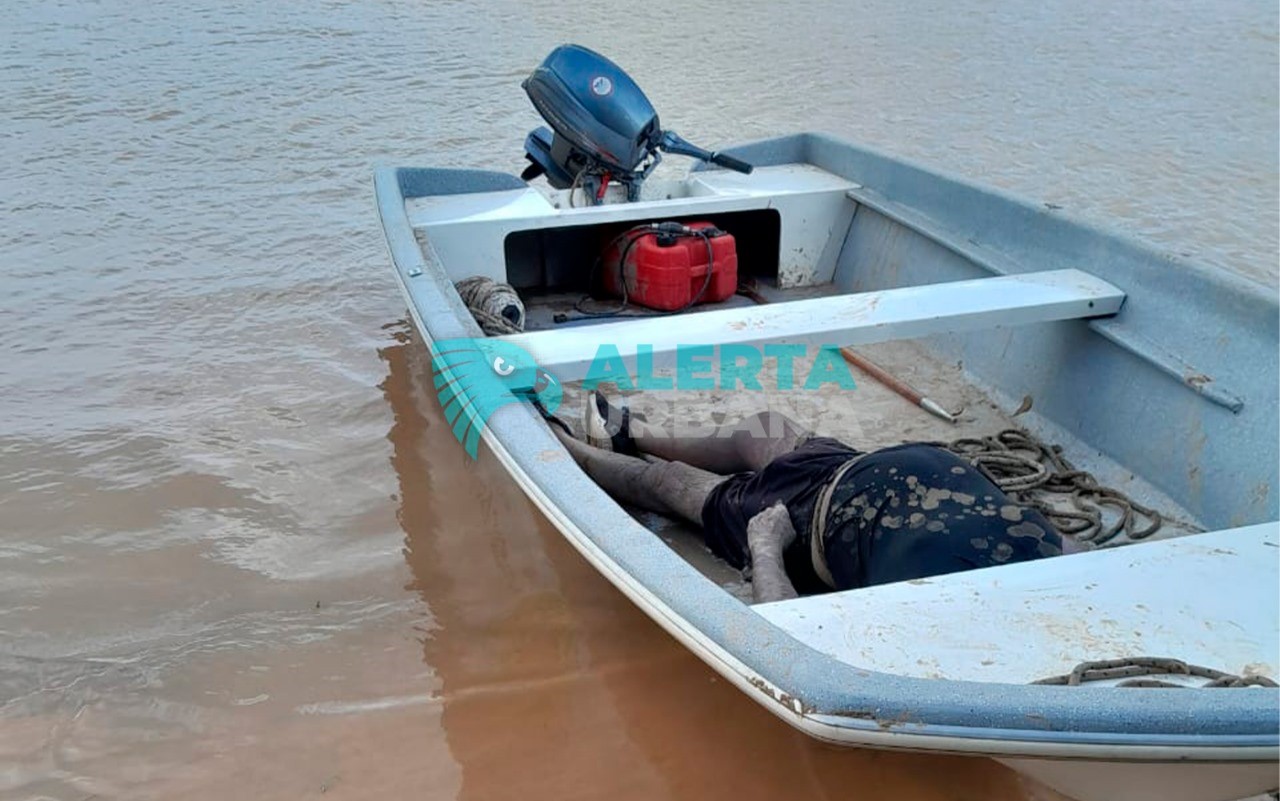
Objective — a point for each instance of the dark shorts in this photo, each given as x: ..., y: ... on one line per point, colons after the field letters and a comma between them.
x: 900, y: 513
x: 795, y: 479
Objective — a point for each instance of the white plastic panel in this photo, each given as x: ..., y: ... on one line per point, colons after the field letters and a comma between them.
x: 1208, y: 599
x: 467, y: 232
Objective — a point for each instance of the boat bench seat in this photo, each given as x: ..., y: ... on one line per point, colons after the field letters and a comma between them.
x: 839, y: 320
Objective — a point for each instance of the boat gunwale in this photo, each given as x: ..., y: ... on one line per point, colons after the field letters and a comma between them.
x: 827, y: 698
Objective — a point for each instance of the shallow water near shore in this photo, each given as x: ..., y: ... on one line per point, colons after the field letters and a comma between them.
x: 241, y: 555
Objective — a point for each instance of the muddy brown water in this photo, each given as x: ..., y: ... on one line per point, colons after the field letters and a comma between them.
x: 241, y: 556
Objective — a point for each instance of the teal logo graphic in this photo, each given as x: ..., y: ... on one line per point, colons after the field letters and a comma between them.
x: 476, y: 377
x: 697, y: 367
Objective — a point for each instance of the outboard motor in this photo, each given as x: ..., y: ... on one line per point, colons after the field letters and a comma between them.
x: 605, y: 129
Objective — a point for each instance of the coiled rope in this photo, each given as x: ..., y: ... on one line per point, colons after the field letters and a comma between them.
x: 1036, y: 474
x: 1104, y: 669
x: 495, y: 306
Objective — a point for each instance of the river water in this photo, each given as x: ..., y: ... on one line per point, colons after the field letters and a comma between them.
x: 240, y: 554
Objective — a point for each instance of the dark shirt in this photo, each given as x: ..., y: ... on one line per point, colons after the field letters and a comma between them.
x: 898, y: 513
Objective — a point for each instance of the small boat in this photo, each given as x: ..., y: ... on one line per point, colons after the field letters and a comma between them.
x: 1156, y: 374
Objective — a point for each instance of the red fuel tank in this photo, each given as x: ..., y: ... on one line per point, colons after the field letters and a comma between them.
x: 666, y: 276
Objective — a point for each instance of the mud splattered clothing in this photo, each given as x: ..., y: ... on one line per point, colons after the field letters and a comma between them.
x: 899, y: 513
x: 796, y: 479
x: 913, y: 511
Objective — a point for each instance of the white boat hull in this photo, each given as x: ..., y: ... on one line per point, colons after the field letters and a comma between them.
x: 1150, y: 781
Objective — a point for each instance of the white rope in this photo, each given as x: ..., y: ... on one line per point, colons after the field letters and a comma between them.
x: 495, y: 306
x: 818, y: 524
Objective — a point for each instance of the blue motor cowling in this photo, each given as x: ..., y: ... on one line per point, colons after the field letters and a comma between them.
x: 603, y: 127
x: 591, y: 102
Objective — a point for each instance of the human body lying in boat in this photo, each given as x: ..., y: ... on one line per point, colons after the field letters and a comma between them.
x: 810, y: 514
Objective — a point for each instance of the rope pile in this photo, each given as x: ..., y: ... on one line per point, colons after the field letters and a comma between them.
x: 1036, y: 474
x: 495, y: 306
x: 1152, y: 665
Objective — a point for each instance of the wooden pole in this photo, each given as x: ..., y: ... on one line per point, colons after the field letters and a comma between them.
x: 872, y: 369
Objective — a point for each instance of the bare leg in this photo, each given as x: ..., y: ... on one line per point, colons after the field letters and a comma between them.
x: 768, y: 535
x: 673, y: 489
x: 749, y: 444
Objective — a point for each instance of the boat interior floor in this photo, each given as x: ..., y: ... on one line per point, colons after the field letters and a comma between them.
x: 868, y: 417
